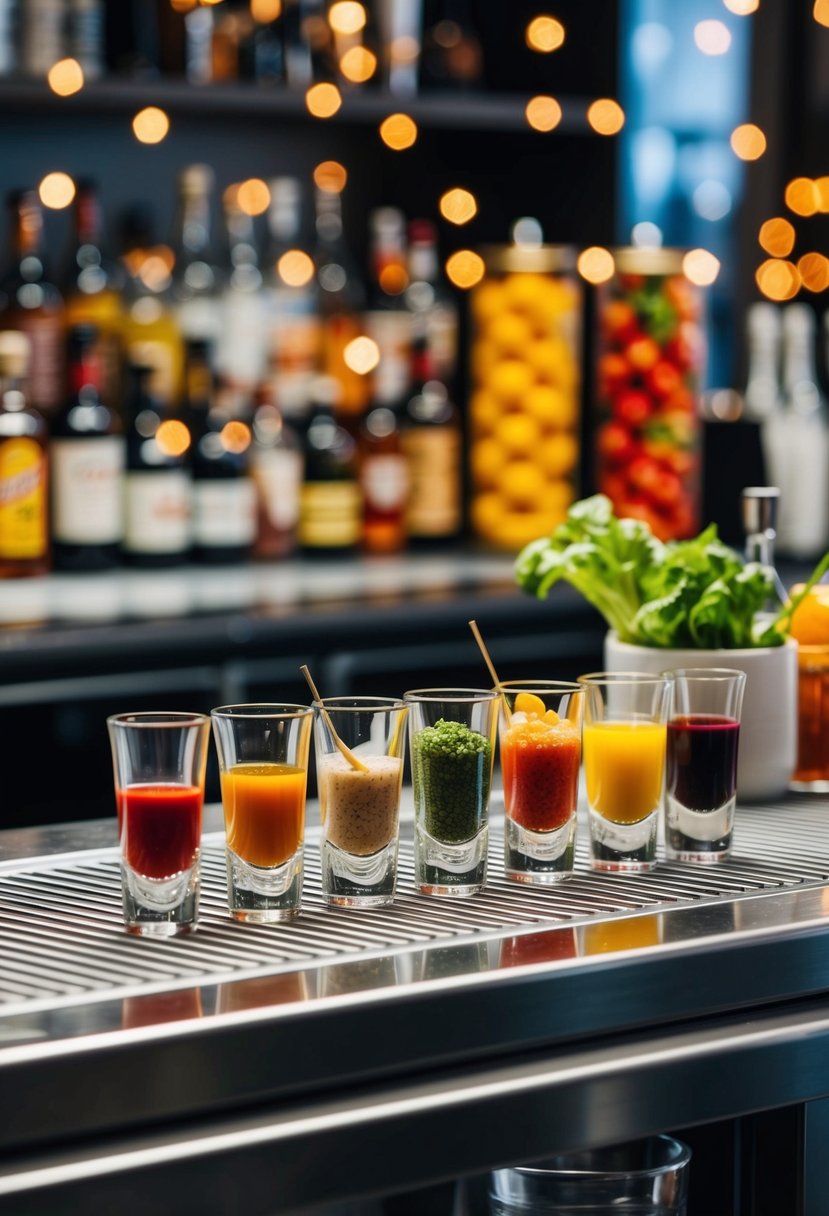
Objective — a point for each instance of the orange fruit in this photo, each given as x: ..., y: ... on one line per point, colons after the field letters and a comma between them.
x: 531, y: 705
x: 810, y: 623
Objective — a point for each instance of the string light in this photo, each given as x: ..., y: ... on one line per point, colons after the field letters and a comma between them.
x: 465, y: 268
x: 700, y: 267
x: 295, y: 268
x: 398, y: 131
x: 346, y: 17
x: 544, y: 34
x: 358, y: 64
x: 331, y: 176
x: 56, y: 191
x: 777, y: 279
x: 150, y: 125
x: 323, y: 99
x: 712, y: 37
x: 606, y: 116
x: 458, y: 206
x: 802, y: 196
x: 748, y: 141
x: 596, y: 264
x: 813, y: 269
x: 65, y: 77
x: 253, y: 196
x: 543, y: 113
x: 362, y: 355
x: 777, y: 237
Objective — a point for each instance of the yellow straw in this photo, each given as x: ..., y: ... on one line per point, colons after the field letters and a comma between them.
x: 473, y: 625
x: 341, y: 747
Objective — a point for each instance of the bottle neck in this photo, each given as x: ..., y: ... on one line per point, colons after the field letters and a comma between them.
x: 27, y: 229
x: 88, y: 223
x: 84, y: 373
x: 193, y: 238
x: 284, y: 223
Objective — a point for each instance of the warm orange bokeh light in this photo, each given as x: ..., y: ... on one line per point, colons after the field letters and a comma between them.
x: 398, y: 131
x: 235, y: 437
x: 777, y: 237
x: 742, y: 8
x: 323, y: 100
x: 465, y: 268
x: 264, y: 11
x: 458, y: 206
x: 362, y: 355
x: 544, y: 34
x: 65, y: 77
x: 393, y: 278
x: 712, y: 37
x: 813, y: 269
x: 700, y: 267
x: 606, y: 116
x: 777, y: 279
x: 358, y: 64
x: 347, y: 17
x: 330, y: 175
x: 822, y: 187
x: 821, y: 12
x: 802, y: 196
x: 543, y: 113
x: 253, y: 196
x: 56, y: 191
x: 596, y: 264
x: 295, y: 268
x: 173, y: 437
x: 150, y: 125
x: 748, y: 141
x: 182, y: 6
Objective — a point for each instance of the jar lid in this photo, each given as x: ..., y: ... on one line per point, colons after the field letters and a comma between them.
x: 641, y: 259
x: 540, y: 259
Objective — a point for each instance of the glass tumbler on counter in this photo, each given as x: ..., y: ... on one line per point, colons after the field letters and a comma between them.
x: 646, y: 1177
x: 159, y: 764
x: 452, y: 741
x: 624, y: 737
x: 540, y: 734
x: 263, y: 764
x: 359, y: 807
x: 701, y: 770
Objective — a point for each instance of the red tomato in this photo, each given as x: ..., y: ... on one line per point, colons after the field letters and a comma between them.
x: 632, y: 407
x: 643, y: 474
x: 664, y: 379
x: 615, y: 443
x: 680, y: 352
x: 666, y: 489
x: 642, y: 354
x: 619, y: 321
x: 613, y: 485
x: 614, y: 374
x: 684, y: 298
x: 683, y: 401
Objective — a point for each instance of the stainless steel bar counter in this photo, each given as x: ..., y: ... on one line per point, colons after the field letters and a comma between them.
x: 269, y: 1069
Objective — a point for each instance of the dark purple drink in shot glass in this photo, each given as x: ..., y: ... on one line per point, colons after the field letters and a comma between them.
x: 701, y: 784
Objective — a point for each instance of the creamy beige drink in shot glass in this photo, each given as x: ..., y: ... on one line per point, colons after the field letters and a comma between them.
x: 359, y: 806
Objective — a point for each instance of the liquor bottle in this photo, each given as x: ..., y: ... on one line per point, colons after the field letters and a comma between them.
x: 87, y: 466
x: 151, y: 336
x: 261, y: 55
x: 759, y: 506
x: 293, y: 329
x: 224, y: 507
x: 198, y: 53
x: 330, y: 513
x: 804, y: 499
x: 31, y: 304
x: 400, y: 23
x: 86, y: 36
x: 240, y: 351
x: 452, y: 52
x: 384, y: 475
x: 431, y: 302
x: 41, y: 35
x: 92, y: 287
x: 388, y: 320
x: 432, y: 446
x: 276, y: 466
x: 195, y: 278
x: 24, y: 515
x: 341, y: 303
x: 157, y: 484
x: 8, y: 39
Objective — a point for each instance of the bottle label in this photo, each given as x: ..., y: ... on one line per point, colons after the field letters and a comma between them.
x: 157, y: 511
x: 86, y: 490
x: 23, y: 524
x: 330, y: 515
x: 224, y: 513
x: 392, y: 331
x: 434, y: 455
x: 278, y: 477
x: 385, y: 481
x: 45, y: 360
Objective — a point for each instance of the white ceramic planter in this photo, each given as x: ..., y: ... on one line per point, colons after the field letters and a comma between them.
x: 768, y: 733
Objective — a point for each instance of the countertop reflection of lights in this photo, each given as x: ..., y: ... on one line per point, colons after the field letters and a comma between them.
x: 777, y: 279
x: 65, y: 77
x: 596, y: 264
x: 458, y: 206
x: 777, y: 236
x: 748, y: 141
x: 544, y: 34
x: 712, y: 37
x: 398, y: 132
x: 56, y: 191
x: 465, y: 268
x: 700, y: 267
x: 543, y: 113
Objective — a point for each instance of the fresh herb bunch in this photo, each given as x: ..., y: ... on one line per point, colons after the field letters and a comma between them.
x: 453, y: 766
x: 690, y: 594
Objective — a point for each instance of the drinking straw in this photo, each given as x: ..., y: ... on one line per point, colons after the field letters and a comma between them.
x: 473, y: 625
x: 341, y: 747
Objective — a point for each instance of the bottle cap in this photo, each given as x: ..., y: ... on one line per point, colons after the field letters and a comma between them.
x: 760, y: 505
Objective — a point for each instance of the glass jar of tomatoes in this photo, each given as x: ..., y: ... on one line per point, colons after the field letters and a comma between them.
x: 651, y: 351
x: 524, y: 408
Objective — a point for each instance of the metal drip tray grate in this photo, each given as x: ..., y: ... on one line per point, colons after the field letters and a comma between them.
x: 62, y: 939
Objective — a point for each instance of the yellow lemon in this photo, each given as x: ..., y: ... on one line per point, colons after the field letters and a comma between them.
x: 531, y: 705
x: 509, y: 380
x: 550, y: 406
x: 487, y: 301
x: 509, y: 332
x: 522, y: 483
x: 486, y: 458
x: 486, y: 514
x: 484, y: 357
x: 518, y: 433
x: 558, y: 454
x: 810, y: 623
x: 552, y: 360
x: 485, y: 410
x: 516, y: 528
x: 529, y: 292
x: 557, y: 497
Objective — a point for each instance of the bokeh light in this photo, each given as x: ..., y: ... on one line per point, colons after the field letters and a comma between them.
x: 265, y: 11
x: 596, y: 264
x: 398, y: 132
x: 330, y: 175
x: 777, y: 279
x: 65, y: 77
x: 700, y: 267
x: 253, y: 196
x: 646, y: 233
x: 465, y: 268
x: 295, y: 268
x: 748, y: 141
x: 822, y: 187
x: 235, y: 437
x: 393, y: 278
x: 742, y: 8
x: 544, y: 34
x: 323, y: 99
x: 606, y: 116
x: 813, y: 269
x: 802, y: 196
x: 777, y: 237
x: 347, y: 17
x: 820, y: 12
x: 712, y: 37
x: 173, y: 437
x: 458, y: 206
x: 56, y: 191
x: 362, y: 355
x: 543, y: 113
x: 358, y: 64
x: 150, y: 125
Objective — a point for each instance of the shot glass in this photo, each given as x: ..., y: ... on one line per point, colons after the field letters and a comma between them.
x: 359, y: 809
x: 811, y: 774
x: 540, y: 735
x: 625, y: 716
x: 701, y: 772
x: 158, y: 761
x: 263, y: 766
x: 452, y: 741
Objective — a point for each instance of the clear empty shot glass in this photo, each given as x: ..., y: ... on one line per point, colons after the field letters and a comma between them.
x: 263, y: 762
x: 452, y: 738
x: 159, y: 761
x: 359, y: 806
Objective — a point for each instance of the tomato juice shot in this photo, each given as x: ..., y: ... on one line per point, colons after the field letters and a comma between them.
x: 624, y: 739
x: 159, y: 764
x: 540, y: 737
x: 701, y: 778
x: 263, y: 765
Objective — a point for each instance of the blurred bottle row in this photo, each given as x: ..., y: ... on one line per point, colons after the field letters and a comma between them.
x: 302, y: 403
x: 399, y: 45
